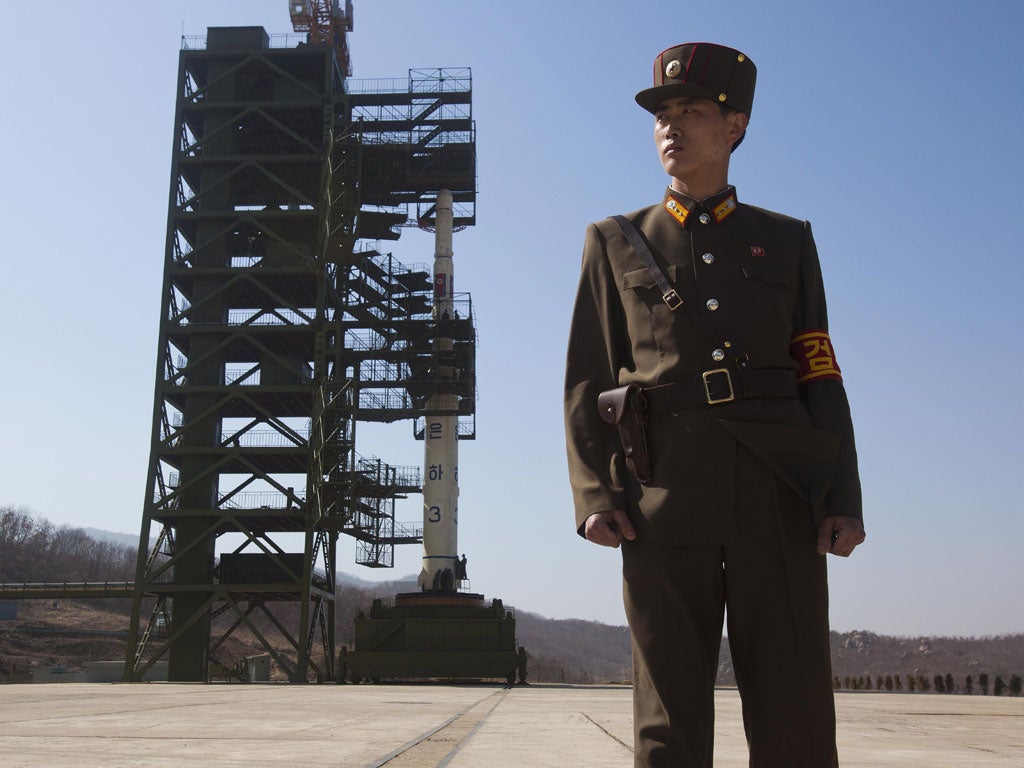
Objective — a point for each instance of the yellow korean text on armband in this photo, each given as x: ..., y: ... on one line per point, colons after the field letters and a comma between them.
x: 813, y: 351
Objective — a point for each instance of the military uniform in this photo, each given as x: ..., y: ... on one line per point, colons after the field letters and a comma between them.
x: 737, y: 488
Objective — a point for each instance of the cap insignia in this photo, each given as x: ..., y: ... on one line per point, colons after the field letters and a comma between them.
x: 673, y: 68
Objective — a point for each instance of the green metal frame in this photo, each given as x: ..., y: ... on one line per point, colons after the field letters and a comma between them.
x: 243, y: 361
x: 273, y: 331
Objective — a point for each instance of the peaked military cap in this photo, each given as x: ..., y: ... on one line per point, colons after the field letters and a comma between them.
x: 704, y: 70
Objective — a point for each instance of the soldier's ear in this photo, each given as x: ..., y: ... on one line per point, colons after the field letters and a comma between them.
x: 738, y: 122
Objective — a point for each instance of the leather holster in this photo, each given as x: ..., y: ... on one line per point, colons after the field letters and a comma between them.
x: 626, y: 408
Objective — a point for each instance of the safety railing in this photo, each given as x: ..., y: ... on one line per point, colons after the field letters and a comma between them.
x: 408, y: 530
x: 198, y: 42
x: 267, y: 438
x: 260, y: 500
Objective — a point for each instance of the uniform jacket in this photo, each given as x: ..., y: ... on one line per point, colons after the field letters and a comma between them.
x: 762, y: 269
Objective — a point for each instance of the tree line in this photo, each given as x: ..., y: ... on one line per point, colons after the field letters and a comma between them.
x: 939, y: 683
x: 32, y: 549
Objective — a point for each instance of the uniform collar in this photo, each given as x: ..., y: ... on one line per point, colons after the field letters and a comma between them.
x: 716, y: 208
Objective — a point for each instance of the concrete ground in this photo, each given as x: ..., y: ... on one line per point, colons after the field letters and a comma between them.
x: 84, y: 725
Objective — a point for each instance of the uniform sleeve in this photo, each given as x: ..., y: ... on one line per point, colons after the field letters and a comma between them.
x: 821, y: 382
x: 594, y: 358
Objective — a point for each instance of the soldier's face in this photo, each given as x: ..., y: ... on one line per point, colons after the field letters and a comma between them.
x: 694, y: 139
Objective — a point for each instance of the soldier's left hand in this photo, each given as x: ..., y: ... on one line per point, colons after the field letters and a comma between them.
x: 839, y: 535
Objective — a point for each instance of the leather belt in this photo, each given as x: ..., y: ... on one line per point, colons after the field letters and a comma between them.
x: 721, y: 385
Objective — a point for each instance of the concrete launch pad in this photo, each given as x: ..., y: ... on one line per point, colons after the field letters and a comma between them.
x: 428, y: 726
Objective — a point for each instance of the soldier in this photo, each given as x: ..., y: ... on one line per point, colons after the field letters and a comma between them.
x: 708, y: 433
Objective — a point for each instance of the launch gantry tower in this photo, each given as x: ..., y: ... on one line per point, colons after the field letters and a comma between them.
x: 282, y: 326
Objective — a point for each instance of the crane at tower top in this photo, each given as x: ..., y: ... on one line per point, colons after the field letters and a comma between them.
x: 325, y: 21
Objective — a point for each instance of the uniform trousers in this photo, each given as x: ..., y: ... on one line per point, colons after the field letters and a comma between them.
x: 772, y: 581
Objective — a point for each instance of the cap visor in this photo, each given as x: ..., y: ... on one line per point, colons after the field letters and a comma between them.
x: 651, y: 98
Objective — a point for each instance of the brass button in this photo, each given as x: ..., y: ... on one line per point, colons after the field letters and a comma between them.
x: 709, y: 258
x: 718, y: 355
x: 712, y: 304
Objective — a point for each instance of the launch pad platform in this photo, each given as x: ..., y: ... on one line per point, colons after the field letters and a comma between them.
x: 81, y: 725
x: 446, y: 636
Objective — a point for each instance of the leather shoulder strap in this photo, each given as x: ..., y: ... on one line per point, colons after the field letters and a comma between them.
x: 668, y: 293
x: 671, y: 297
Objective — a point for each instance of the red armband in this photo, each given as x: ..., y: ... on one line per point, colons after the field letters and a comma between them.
x: 813, y: 350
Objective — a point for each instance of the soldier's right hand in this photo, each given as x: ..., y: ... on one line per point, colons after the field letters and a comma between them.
x: 609, y: 529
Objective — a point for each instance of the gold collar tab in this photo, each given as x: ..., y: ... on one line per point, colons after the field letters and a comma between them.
x: 678, y: 210
x: 719, y: 206
x: 724, y: 208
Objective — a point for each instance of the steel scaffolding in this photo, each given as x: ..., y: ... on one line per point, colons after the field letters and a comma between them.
x: 281, y: 327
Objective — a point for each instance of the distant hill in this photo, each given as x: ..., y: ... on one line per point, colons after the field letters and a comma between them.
x: 402, y: 584
x: 861, y: 653
x: 583, y: 651
x: 591, y: 652
x: 127, y: 539
x: 51, y: 632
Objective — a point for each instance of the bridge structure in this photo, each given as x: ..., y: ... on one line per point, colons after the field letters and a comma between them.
x: 42, y: 590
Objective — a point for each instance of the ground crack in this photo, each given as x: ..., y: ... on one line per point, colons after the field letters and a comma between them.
x: 608, y: 733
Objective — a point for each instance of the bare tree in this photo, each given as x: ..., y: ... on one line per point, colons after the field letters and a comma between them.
x: 33, y: 549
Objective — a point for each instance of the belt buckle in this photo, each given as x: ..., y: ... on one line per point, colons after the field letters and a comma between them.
x: 712, y: 400
x: 673, y: 299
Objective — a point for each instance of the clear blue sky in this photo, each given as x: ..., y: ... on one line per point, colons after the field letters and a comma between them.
x: 894, y: 127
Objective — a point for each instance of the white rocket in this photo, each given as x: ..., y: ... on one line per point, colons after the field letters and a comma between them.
x: 441, y: 433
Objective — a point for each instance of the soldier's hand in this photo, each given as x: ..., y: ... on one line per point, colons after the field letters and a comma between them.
x: 839, y: 535
x: 609, y: 529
